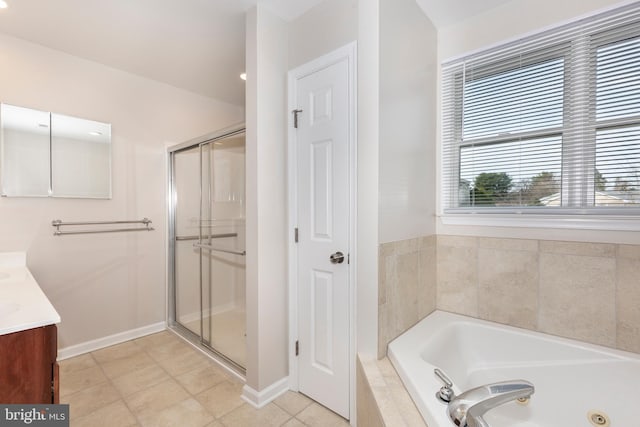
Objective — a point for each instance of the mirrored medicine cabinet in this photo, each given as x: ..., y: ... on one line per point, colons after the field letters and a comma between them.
x: 45, y: 154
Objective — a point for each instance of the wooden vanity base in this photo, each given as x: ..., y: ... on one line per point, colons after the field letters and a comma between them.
x: 28, y: 367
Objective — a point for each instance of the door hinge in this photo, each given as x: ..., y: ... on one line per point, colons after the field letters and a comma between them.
x: 297, y: 349
x: 348, y: 258
x: 295, y: 117
x: 295, y: 235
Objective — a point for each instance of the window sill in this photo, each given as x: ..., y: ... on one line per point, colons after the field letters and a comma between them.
x: 525, y: 220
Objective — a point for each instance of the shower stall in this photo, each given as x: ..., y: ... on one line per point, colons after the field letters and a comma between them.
x: 206, y: 244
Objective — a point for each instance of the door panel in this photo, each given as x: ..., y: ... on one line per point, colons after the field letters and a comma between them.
x: 323, y: 221
x: 206, y: 259
x: 222, y: 223
x: 186, y: 182
x: 322, y: 321
x: 321, y: 190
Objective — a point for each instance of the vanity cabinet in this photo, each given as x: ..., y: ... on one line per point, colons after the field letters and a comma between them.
x: 28, y: 367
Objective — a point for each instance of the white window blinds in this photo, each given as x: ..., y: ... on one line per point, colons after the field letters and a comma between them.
x: 550, y: 123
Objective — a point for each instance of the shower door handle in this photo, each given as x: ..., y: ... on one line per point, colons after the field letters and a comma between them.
x: 212, y: 248
x: 337, y: 258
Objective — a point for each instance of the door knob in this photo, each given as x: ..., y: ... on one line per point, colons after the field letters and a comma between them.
x: 337, y: 258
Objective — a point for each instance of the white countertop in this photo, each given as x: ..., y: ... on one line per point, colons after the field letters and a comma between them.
x: 23, y: 305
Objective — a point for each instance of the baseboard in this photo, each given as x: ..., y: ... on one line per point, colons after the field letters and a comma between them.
x: 258, y: 399
x: 97, y: 344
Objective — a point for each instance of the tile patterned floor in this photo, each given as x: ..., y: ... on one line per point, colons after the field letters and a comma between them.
x: 160, y: 380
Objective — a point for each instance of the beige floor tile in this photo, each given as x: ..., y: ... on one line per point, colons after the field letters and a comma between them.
x: 156, y: 340
x: 186, y: 362
x: 140, y: 379
x: 131, y: 363
x: 156, y: 398
x: 169, y: 350
x: 248, y: 416
x: 222, y: 398
x: 318, y: 416
x: 201, y: 379
x: 75, y: 381
x: 188, y: 413
x: 77, y: 363
x: 115, y: 414
x: 114, y: 352
x: 91, y: 399
x: 293, y: 402
x: 141, y: 371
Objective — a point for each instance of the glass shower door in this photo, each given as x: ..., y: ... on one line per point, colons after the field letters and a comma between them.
x: 222, y: 228
x: 186, y: 220
x: 208, y: 234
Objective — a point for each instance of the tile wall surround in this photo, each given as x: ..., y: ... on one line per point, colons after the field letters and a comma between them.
x: 367, y: 407
x: 382, y: 399
x: 406, y: 286
x: 584, y: 291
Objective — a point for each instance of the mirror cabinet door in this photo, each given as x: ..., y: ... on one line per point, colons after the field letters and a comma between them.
x: 24, y: 152
x: 80, y: 158
x: 44, y: 154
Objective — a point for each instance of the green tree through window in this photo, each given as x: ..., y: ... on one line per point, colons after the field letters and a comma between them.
x: 491, y: 188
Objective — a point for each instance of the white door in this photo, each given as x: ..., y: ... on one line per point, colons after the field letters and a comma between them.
x: 323, y: 187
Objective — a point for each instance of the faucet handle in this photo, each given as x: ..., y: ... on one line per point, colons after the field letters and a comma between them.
x: 443, y: 377
x: 445, y: 394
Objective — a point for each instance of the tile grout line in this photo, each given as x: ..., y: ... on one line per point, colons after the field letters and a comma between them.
x: 122, y: 397
x: 107, y: 381
x: 177, y: 381
x: 194, y: 396
x: 136, y: 348
x: 110, y: 382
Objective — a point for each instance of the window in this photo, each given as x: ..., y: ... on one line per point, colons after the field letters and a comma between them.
x: 618, y: 123
x: 548, y: 124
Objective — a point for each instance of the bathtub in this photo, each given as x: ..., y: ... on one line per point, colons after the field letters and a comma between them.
x: 575, y: 383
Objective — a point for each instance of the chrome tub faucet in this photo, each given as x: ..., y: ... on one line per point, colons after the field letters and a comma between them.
x: 468, y: 409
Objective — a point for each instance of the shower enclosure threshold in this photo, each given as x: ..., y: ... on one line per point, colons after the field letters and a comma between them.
x: 193, y: 339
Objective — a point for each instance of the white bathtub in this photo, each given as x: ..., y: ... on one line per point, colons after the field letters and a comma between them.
x: 571, y: 379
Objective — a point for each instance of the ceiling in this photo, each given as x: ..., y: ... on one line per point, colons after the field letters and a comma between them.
x: 197, y: 45
x: 446, y: 12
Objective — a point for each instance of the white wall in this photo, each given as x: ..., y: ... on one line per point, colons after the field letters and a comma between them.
x: 324, y: 28
x: 107, y: 283
x: 408, y: 70
x: 368, y: 158
x: 508, y: 22
x: 267, y: 292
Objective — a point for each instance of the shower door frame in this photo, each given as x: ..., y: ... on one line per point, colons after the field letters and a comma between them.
x: 173, y: 323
